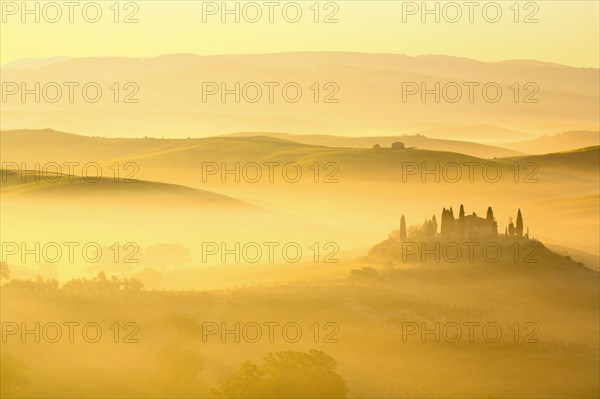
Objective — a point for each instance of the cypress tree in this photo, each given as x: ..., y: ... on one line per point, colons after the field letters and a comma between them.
x: 519, y: 229
x: 402, y: 234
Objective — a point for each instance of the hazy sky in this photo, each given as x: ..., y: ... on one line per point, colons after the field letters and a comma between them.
x: 566, y: 32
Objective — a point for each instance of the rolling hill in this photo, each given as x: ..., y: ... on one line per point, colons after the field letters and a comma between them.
x: 416, y: 140
x: 22, y: 186
x: 586, y: 161
x: 343, y: 189
x: 155, y: 155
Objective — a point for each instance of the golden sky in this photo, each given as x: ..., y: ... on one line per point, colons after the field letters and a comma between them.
x: 566, y: 32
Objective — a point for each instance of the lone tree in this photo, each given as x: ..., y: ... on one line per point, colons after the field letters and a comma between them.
x: 402, y: 233
x: 434, y: 223
x: 286, y: 375
x: 519, y: 228
x: 490, y: 214
x: 461, y: 213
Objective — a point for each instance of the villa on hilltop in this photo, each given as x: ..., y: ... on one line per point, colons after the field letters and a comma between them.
x: 465, y: 227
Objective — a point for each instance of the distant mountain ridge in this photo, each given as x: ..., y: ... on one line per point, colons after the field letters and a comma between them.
x: 368, y: 89
x: 558, y: 142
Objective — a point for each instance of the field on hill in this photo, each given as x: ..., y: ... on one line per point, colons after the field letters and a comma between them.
x: 379, y: 326
x: 218, y: 267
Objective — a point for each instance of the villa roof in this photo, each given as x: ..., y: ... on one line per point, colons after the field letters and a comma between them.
x: 472, y: 219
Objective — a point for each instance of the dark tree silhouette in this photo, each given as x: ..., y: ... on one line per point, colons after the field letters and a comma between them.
x: 402, y: 235
x: 519, y: 228
x: 286, y: 375
x: 490, y: 214
x: 434, y: 224
x: 461, y: 213
x: 448, y: 223
x: 511, y: 229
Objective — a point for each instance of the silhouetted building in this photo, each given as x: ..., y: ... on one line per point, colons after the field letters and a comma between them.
x: 476, y: 228
x: 470, y: 227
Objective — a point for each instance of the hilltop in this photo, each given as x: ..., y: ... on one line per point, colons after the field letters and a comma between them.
x: 410, y: 140
x: 22, y: 186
